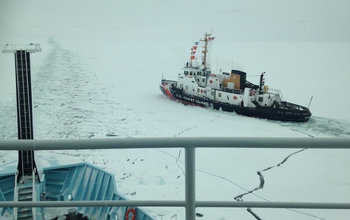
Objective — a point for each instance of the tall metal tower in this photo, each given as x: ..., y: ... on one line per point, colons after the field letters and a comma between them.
x: 27, y: 176
x: 26, y: 160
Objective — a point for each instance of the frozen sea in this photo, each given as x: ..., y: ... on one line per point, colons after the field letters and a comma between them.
x: 98, y: 77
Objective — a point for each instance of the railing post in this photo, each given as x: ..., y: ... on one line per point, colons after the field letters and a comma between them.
x: 34, y: 193
x: 15, y: 196
x: 190, y: 182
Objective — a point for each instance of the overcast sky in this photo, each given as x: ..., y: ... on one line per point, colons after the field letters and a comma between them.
x: 255, y: 20
x: 272, y: 20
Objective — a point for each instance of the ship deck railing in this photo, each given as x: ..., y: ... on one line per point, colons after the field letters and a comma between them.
x: 12, y: 48
x: 190, y: 145
x: 276, y: 91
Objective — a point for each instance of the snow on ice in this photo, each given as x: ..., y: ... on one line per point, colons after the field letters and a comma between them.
x: 98, y: 77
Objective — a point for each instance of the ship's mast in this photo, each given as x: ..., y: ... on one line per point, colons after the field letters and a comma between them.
x: 206, y: 40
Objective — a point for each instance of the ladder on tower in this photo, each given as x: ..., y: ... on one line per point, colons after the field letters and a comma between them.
x: 26, y: 176
x: 26, y: 161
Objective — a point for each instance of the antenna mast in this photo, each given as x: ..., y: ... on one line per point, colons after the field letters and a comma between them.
x: 206, y: 40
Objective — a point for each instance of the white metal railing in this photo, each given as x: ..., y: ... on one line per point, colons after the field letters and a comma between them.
x: 190, y: 144
x: 15, y: 195
x: 34, y: 194
x: 12, y: 48
x: 276, y: 91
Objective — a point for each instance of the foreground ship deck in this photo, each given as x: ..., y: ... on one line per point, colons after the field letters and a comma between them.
x: 71, y: 182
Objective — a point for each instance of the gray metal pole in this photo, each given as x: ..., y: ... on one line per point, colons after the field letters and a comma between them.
x: 167, y: 203
x: 202, y: 142
x: 190, y: 182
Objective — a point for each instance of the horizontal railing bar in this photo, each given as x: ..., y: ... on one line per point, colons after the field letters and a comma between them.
x: 98, y: 203
x: 295, y: 205
x: 163, y: 203
x: 198, y: 142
